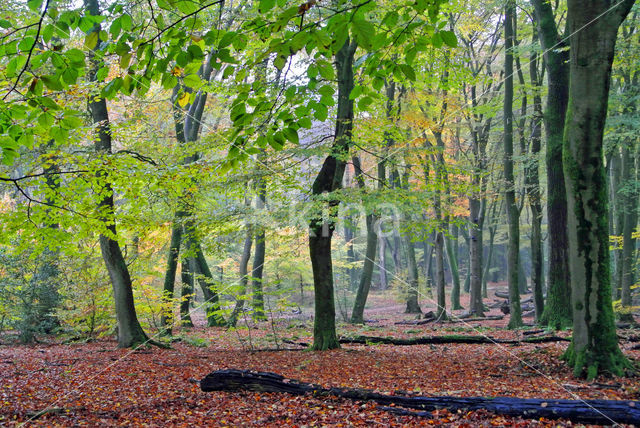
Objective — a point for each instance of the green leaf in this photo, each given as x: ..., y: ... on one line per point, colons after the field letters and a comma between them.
x: 35, y: 5
x: 364, y: 32
x: 60, y: 135
x: 291, y: 135
x: 321, y: 112
x: 449, y: 38
x: 227, y: 39
x: 91, y: 41
x: 266, y: 5
x: 436, y: 40
x: 280, y: 62
x: 126, y: 21
x: 52, y: 82
x: 355, y: 92
x: 326, y: 70
x: 192, y: 80
x: 75, y: 55
x: 407, y: 70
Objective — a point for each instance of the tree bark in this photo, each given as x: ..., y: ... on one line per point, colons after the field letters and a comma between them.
x: 557, y: 313
x: 166, y: 321
x: 630, y: 222
x: 258, y: 259
x: 244, y: 266
x: 594, y: 348
x: 328, y: 180
x: 357, y: 315
x: 515, y: 320
x: 186, y: 293
x: 589, y: 411
x: 130, y: 333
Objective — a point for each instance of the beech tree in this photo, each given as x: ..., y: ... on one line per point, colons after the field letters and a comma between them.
x: 594, y: 347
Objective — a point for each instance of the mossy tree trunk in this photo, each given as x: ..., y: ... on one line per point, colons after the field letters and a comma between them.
x: 130, y: 333
x: 594, y: 347
x: 321, y: 227
x: 557, y: 312
x: 513, y: 214
x: 166, y: 321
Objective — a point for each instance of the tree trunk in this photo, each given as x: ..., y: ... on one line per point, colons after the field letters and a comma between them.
x: 166, y: 321
x: 532, y: 183
x: 475, y: 250
x: 130, y: 333
x: 452, y: 257
x: 557, y: 313
x: 243, y: 268
x: 187, y: 292
x: 594, y: 348
x: 258, y: 258
x: 412, y: 293
x: 616, y: 218
x: 515, y: 320
x: 630, y: 222
x: 203, y: 275
x: 357, y: 315
x: 328, y: 180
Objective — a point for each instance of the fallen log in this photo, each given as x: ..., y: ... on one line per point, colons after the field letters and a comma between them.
x: 581, y: 411
x: 473, y: 319
x: 446, y: 339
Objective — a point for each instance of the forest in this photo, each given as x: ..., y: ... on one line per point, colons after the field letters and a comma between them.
x: 320, y: 213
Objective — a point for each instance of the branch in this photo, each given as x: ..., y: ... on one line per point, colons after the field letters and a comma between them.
x: 33, y: 46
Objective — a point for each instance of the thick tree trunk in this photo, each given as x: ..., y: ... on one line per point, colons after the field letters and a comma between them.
x: 357, y: 315
x: 328, y: 180
x: 515, y: 320
x: 382, y: 264
x: 594, y: 347
x: 441, y: 311
x: 557, y: 313
x: 130, y: 333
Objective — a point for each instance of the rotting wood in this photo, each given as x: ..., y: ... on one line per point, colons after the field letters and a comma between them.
x: 581, y: 411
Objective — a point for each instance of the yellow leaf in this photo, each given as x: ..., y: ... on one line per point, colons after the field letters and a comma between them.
x: 184, y: 99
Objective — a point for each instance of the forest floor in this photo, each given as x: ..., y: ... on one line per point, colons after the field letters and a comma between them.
x: 95, y: 384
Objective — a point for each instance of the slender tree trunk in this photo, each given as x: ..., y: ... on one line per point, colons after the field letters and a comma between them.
x: 166, y: 321
x: 476, y: 307
x: 629, y: 225
x: 557, y: 313
x: 186, y: 293
x: 328, y: 180
x: 532, y: 184
x: 594, y: 347
x: 244, y: 266
x: 515, y: 320
x: 616, y: 218
x: 452, y: 257
x: 130, y: 333
x: 357, y: 315
x: 258, y: 259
